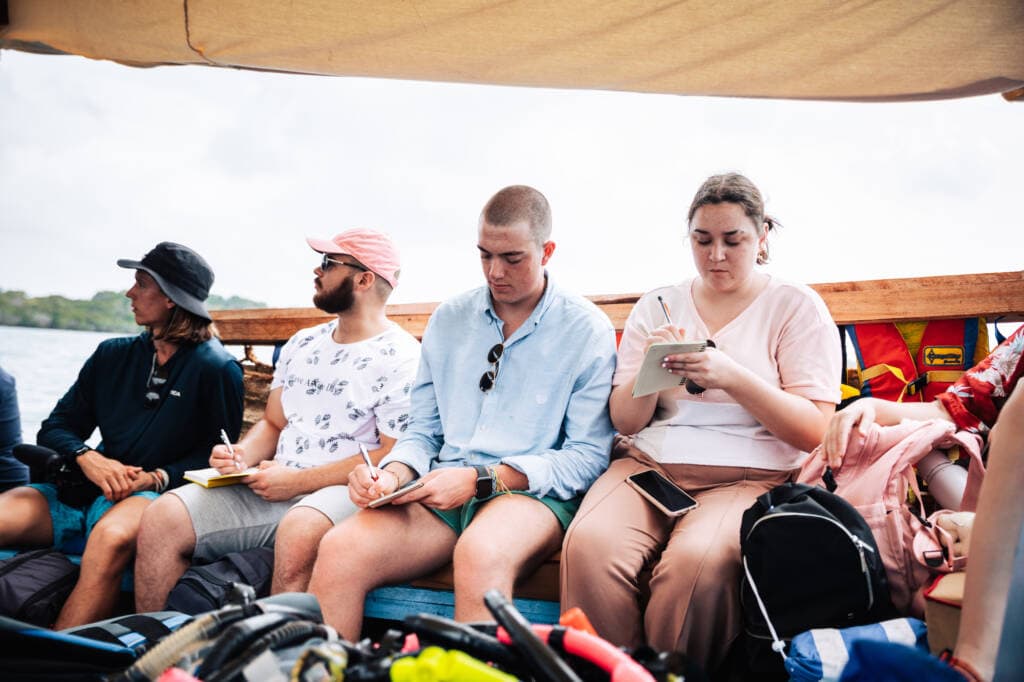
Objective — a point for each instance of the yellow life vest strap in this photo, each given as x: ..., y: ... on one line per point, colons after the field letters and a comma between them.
x: 944, y: 375
x: 910, y: 387
x: 870, y: 373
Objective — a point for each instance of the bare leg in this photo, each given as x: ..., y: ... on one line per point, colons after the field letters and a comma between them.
x: 110, y: 548
x: 295, y: 546
x: 166, y: 543
x: 508, y: 537
x: 997, y: 528
x: 25, y: 518
x: 372, y: 548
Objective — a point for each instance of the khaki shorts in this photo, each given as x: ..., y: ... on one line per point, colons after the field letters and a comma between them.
x: 233, y: 518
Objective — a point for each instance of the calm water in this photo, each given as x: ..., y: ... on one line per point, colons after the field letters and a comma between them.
x: 45, y: 362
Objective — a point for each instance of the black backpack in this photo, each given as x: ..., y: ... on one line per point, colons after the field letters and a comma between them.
x: 809, y: 561
x: 206, y: 587
x: 34, y: 585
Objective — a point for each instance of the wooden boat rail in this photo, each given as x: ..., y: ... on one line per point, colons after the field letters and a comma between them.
x: 993, y: 295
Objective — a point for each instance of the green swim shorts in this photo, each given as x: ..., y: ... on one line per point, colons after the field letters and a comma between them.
x: 458, y: 518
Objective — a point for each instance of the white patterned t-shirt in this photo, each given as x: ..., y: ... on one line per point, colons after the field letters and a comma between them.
x: 336, y: 395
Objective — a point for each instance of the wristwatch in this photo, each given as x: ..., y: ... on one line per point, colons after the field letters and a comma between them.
x: 484, y: 482
x: 80, y: 451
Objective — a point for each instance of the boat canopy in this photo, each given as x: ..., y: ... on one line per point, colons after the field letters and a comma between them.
x: 852, y: 50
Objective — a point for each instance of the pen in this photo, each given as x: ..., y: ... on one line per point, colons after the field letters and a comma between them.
x: 366, y: 458
x: 664, y: 309
x: 231, y: 451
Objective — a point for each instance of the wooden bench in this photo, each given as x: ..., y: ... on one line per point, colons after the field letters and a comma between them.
x: 996, y: 296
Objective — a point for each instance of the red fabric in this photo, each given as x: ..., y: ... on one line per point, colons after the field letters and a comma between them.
x: 975, y: 400
x: 878, y: 343
x: 942, y: 348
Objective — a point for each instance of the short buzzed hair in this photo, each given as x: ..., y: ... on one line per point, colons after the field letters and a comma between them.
x: 516, y: 203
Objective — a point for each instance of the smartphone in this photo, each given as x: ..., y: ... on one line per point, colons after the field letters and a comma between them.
x: 408, y: 488
x: 661, y: 492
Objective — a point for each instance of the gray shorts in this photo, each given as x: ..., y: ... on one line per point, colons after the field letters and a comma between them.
x: 233, y: 518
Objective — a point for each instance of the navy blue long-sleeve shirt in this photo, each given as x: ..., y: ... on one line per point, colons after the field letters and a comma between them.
x: 203, y: 394
x: 12, y: 472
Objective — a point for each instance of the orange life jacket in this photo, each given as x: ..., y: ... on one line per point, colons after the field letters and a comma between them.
x: 892, y: 368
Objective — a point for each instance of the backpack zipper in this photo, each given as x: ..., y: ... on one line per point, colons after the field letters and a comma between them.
x: 857, y: 542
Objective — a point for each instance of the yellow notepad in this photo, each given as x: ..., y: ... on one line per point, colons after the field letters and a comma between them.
x: 210, y: 478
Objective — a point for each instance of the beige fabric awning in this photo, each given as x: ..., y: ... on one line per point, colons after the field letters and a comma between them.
x: 799, y: 49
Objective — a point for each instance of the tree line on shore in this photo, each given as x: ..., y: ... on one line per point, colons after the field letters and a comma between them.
x: 106, y: 311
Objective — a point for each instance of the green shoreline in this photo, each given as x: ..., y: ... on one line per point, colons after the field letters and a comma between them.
x: 106, y: 311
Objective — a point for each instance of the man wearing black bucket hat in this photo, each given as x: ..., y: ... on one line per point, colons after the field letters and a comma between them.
x: 159, y: 400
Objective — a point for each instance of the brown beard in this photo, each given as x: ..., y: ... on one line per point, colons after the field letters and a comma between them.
x: 336, y: 301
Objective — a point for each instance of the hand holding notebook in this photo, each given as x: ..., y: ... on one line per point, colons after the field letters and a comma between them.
x: 211, y: 478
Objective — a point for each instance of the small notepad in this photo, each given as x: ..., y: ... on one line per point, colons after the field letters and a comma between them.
x: 210, y: 478
x: 652, y: 377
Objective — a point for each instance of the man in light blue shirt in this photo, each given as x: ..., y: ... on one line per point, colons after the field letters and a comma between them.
x: 509, y: 428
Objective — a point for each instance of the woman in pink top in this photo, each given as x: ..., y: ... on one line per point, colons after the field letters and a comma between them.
x: 772, y: 383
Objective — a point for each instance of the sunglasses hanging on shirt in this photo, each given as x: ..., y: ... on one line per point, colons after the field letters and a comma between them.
x: 490, y: 377
x: 157, y: 378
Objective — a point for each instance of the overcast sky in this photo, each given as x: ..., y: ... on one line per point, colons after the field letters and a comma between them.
x: 100, y: 161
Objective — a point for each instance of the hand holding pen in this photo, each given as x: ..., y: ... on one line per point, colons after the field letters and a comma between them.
x: 692, y: 387
x: 231, y: 450
x: 369, y: 463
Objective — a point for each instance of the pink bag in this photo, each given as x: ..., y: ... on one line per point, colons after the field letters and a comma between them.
x: 932, y: 545
x: 876, y: 471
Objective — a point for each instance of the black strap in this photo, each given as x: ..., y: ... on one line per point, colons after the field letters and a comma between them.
x: 99, y: 634
x: 830, y: 480
x: 842, y: 348
x: 253, y: 565
x: 149, y: 627
x: 782, y: 494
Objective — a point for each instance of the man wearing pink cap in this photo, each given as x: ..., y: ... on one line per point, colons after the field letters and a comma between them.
x: 338, y: 388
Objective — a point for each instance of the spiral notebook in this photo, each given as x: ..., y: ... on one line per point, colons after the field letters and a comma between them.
x: 210, y: 478
x: 652, y: 377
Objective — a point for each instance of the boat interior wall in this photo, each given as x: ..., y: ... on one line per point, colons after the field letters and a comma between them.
x: 795, y: 49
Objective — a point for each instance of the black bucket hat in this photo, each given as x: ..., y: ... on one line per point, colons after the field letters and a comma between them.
x: 182, y: 274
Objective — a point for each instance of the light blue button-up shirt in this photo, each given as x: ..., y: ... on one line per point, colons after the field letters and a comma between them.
x: 547, y: 415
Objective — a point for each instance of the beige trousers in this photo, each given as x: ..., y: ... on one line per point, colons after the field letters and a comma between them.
x: 693, y: 561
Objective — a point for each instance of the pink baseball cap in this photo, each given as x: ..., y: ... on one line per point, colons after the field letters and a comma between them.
x: 373, y: 249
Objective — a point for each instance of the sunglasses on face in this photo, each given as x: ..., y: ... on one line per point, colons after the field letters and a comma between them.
x: 490, y: 377
x: 157, y: 378
x: 327, y: 263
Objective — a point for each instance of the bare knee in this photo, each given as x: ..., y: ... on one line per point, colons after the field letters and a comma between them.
x: 347, y: 550
x: 166, y: 524
x: 344, y: 544
x: 474, y: 561
x: 25, y: 518
x: 113, y: 538
x: 297, y: 540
